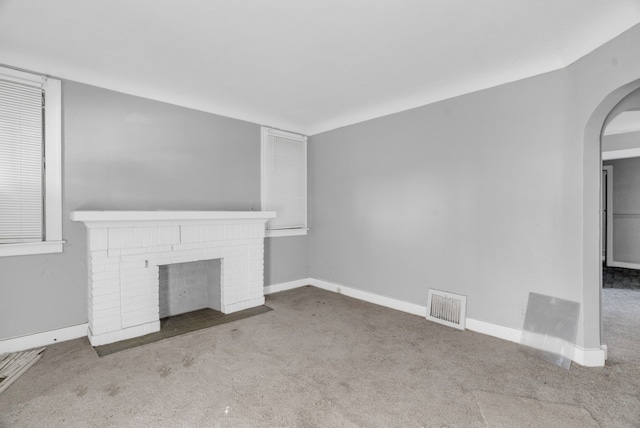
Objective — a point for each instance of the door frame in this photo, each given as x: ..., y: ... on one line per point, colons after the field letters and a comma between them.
x: 608, y: 200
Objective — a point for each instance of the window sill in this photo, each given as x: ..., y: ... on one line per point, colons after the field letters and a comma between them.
x: 46, y: 247
x: 274, y: 233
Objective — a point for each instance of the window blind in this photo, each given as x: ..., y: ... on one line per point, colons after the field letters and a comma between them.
x: 285, y: 183
x: 21, y: 163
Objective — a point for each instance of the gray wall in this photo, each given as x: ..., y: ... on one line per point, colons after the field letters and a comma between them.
x: 287, y: 259
x: 128, y: 153
x: 493, y: 194
x: 465, y: 195
x: 626, y: 210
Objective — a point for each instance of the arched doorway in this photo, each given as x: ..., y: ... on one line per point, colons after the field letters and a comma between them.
x: 609, y: 107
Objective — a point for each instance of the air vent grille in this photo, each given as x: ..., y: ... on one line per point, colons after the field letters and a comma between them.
x: 446, y: 308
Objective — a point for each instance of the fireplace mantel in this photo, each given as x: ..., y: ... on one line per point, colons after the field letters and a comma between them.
x: 132, y: 218
x: 126, y: 248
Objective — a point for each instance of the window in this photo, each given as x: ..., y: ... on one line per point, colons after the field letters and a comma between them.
x: 30, y: 164
x: 284, y: 182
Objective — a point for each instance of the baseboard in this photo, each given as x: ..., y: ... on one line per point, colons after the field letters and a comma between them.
x: 494, y: 330
x: 590, y: 357
x: 124, y: 334
x: 22, y: 343
x: 283, y: 286
x: 367, y: 296
x: 241, y: 306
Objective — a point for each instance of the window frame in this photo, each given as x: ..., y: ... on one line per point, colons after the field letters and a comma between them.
x: 265, y: 133
x: 52, y: 216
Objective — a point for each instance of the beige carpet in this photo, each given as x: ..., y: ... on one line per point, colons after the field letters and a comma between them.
x: 319, y: 359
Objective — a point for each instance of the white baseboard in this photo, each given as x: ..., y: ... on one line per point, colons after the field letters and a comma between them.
x: 283, y: 286
x: 124, y: 334
x: 367, y: 296
x: 494, y: 330
x: 22, y: 343
x: 590, y: 357
x: 241, y: 306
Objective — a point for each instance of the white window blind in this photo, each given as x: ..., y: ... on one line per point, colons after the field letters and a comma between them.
x: 284, y: 179
x: 21, y: 162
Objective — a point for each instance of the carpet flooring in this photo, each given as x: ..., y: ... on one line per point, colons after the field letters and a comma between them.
x: 320, y: 359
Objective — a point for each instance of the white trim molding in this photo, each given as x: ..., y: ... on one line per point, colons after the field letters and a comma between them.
x: 494, y: 330
x: 27, y: 248
x: 274, y: 233
x: 367, y: 296
x: 279, y: 165
x: 21, y: 343
x: 283, y: 286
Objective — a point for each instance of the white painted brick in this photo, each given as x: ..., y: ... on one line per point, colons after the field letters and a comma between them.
x: 97, y: 267
x: 113, y: 253
x: 160, y: 261
x: 170, y: 254
x: 100, y: 254
x: 182, y: 247
x: 118, y: 236
x: 104, y: 314
x: 134, y: 321
x: 173, y: 235
x: 112, y: 267
x: 98, y: 239
x: 104, y: 261
x: 213, y: 254
x: 139, y: 291
x: 102, y: 304
x: 113, y: 324
x: 135, y: 250
x: 241, y: 242
x: 160, y: 249
x: 186, y: 258
x: 103, y: 286
x: 137, y: 262
x: 105, y: 293
x: 138, y: 270
x: 98, y: 276
x: 147, y: 314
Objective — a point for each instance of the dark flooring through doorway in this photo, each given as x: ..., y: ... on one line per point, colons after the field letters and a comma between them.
x: 615, y: 277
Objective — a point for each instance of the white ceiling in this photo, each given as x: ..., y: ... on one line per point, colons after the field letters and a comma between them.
x: 304, y: 65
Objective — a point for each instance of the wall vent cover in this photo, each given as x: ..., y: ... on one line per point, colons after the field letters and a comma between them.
x: 446, y: 308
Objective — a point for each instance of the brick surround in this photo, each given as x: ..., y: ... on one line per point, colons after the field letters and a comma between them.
x: 125, y: 248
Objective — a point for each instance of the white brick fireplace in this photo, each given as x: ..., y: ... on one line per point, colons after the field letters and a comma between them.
x: 125, y: 248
